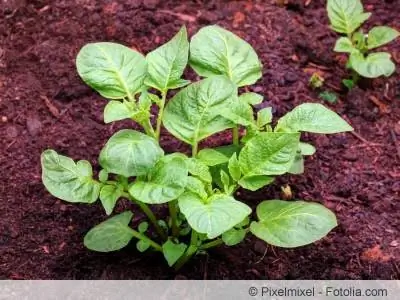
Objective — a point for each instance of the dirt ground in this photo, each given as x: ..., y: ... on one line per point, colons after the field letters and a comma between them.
x: 44, y: 104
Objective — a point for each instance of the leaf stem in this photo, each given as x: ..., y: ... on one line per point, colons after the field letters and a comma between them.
x: 148, y: 128
x: 235, y: 135
x: 173, y: 215
x: 160, y: 114
x: 146, y: 239
x: 195, y: 147
x: 211, y: 244
x: 191, y: 250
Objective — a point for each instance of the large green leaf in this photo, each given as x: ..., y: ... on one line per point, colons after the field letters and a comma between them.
x: 381, y: 35
x: 269, y: 153
x: 212, y: 216
x: 193, y: 114
x: 312, y: 117
x: 164, y: 183
x: 216, y: 51
x: 109, y: 194
x: 292, y: 224
x: 167, y: 63
x: 374, y: 65
x: 115, y: 71
x: 346, y: 15
x: 110, y: 235
x: 218, y: 155
x: 130, y: 153
x: 68, y: 181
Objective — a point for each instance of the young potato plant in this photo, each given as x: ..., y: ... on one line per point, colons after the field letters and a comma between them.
x: 346, y: 16
x: 199, y: 189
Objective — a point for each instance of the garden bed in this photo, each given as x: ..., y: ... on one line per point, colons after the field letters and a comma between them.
x: 44, y: 104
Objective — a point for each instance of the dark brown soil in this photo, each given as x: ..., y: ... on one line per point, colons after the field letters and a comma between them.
x: 44, y: 104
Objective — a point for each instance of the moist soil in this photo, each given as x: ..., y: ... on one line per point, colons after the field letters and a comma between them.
x: 44, y: 104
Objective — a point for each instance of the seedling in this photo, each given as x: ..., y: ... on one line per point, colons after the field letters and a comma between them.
x: 199, y: 190
x: 316, y: 81
x: 346, y: 16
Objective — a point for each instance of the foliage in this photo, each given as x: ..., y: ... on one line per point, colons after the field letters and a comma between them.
x: 346, y: 16
x: 199, y: 190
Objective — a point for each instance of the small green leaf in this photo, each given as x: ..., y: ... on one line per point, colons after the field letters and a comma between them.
x: 233, y: 236
x: 172, y: 252
x: 109, y: 194
x: 381, y: 35
x: 264, y: 117
x: 103, y: 176
x: 306, y: 149
x: 251, y: 98
x: 269, y: 153
x: 213, y: 216
x: 130, y: 153
x: 344, y: 44
x: 193, y: 113
x: 143, y: 226
x: 312, y: 117
x: 216, y: 51
x: 234, y: 167
x: 196, y: 186
x: 110, y: 235
x: 167, y: 63
x: 292, y: 224
x: 349, y: 83
x: 68, y: 181
x: 178, y: 84
x: 199, y: 169
x: 298, y: 165
x: 239, y: 113
x: 115, y: 71
x: 255, y: 182
x: 225, y: 179
x: 116, y: 111
x: 142, y: 246
x: 244, y: 223
x: 164, y: 183
x: 346, y: 16
x: 216, y: 156
x: 374, y: 65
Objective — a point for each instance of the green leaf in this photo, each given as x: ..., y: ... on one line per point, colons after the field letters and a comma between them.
x: 130, y: 153
x: 251, y: 98
x: 292, y: 224
x: 172, y: 252
x: 109, y: 194
x: 346, y: 15
x: 193, y: 113
x: 312, y: 117
x: 239, y: 113
x: 349, y: 83
x: 167, y: 63
x: 234, y: 167
x: 233, y: 236
x: 216, y: 51
x: 116, y: 111
x: 269, y: 153
x: 164, y: 183
x: 306, y: 149
x: 225, y: 179
x: 68, y: 181
x: 178, y: 84
x: 381, y: 35
x: 115, y: 71
x: 213, y: 216
x: 103, y: 176
x: 298, y: 165
x: 196, y: 186
x: 264, y: 117
x: 374, y: 65
x: 216, y: 156
x: 142, y: 246
x: 199, y: 169
x: 143, y: 226
x: 110, y: 235
x: 344, y: 44
x: 255, y: 182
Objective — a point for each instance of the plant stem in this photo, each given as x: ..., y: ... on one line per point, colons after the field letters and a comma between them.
x: 148, y: 128
x: 191, y: 250
x: 211, y: 244
x: 195, y: 147
x: 160, y: 114
x: 150, y: 215
x: 235, y: 135
x: 146, y: 239
x: 173, y: 215
x: 355, y: 76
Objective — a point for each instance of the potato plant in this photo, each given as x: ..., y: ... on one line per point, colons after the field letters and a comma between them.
x: 198, y: 189
x: 346, y: 16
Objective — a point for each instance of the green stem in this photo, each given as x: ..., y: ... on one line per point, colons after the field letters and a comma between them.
x: 150, y: 215
x: 191, y: 250
x: 212, y: 244
x: 355, y: 76
x: 146, y: 239
x: 148, y: 128
x: 235, y: 135
x: 195, y: 148
x: 173, y: 215
x: 160, y: 114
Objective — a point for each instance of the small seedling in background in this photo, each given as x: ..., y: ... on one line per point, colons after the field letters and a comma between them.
x: 346, y: 16
x: 316, y: 81
x: 328, y: 97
